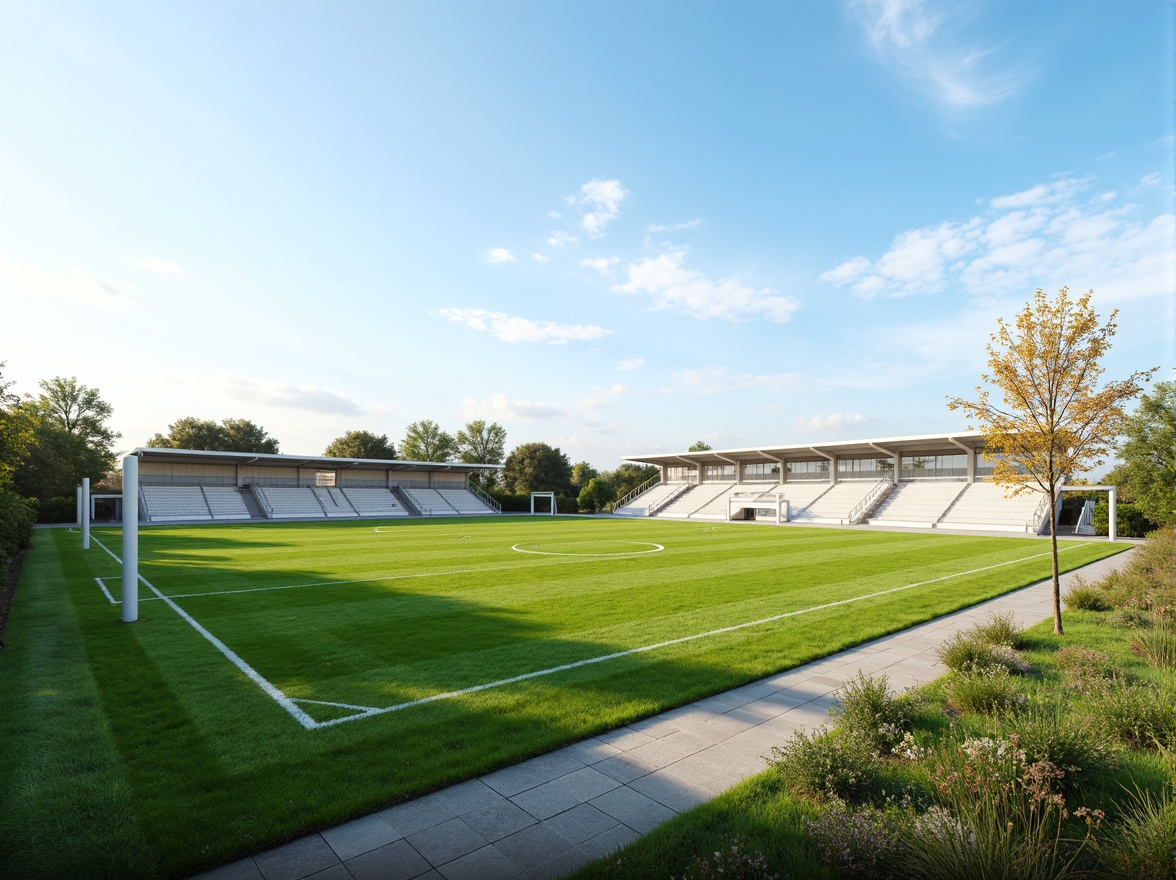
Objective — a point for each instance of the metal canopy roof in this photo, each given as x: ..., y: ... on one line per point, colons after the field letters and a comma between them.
x: 323, y: 462
x: 884, y: 447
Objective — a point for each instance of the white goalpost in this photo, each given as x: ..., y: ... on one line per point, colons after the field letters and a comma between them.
x: 535, y: 495
x: 130, y: 539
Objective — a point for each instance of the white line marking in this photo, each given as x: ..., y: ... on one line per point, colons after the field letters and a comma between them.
x: 340, y: 705
x: 657, y: 548
x: 714, y: 632
x: 107, y: 592
x: 280, y: 698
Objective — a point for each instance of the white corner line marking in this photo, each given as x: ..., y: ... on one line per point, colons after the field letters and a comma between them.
x: 113, y: 601
x: 280, y: 698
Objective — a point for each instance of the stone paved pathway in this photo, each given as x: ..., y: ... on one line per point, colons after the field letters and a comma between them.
x: 549, y: 815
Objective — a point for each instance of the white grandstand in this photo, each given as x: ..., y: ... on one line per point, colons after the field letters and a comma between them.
x: 933, y: 481
x: 192, y: 486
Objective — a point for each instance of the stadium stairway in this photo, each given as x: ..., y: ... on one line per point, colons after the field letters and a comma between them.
x: 550, y: 815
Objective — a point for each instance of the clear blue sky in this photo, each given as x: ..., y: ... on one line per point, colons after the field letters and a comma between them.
x: 613, y: 227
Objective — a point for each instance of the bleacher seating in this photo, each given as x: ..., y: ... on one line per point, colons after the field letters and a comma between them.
x: 429, y: 502
x: 917, y: 503
x: 465, y: 502
x: 225, y: 502
x: 333, y: 501
x: 374, y: 502
x: 696, y: 499
x: 983, y: 505
x: 290, y: 503
x: 836, y: 505
x: 175, y: 504
x: 654, y: 495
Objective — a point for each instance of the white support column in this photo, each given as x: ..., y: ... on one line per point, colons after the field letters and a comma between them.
x: 85, y: 513
x: 130, y: 539
x: 1111, y: 520
x: 78, y: 517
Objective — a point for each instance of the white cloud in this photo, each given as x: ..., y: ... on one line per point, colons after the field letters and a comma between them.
x: 603, y: 265
x: 634, y: 363
x: 832, y: 422
x: 1150, y: 181
x: 554, y: 215
x: 674, y: 227
x: 539, y: 258
x: 562, y: 239
x: 1046, y: 236
x: 155, y: 264
x: 670, y: 285
x: 499, y: 406
x: 604, y: 198
x: 511, y: 328
x: 918, y: 39
x: 305, y: 397
x: 498, y: 255
x: 715, y: 380
x: 74, y: 285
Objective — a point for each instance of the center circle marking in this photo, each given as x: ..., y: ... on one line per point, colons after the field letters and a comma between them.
x: 655, y: 548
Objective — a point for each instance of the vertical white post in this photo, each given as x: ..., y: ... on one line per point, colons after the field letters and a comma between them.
x: 85, y: 513
x: 1111, y: 522
x: 130, y: 539
x: 78, y: 518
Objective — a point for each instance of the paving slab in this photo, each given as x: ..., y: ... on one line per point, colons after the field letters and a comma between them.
x: 547, y: 816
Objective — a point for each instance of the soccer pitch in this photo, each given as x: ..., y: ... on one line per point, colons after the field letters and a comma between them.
x: 284, y: 677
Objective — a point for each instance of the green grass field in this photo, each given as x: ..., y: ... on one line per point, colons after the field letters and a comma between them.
x: 297, y: 675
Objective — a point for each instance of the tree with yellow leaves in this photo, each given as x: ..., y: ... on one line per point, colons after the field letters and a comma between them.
x: 1055, y: 421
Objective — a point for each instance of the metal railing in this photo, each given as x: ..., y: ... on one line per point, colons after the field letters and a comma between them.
x: 669, y: 499
x: 644, y: 487
x: 490, y: 502
x: 259, y: 494
x: 866, y: 504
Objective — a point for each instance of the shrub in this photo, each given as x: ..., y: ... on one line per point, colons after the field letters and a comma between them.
x: 1157, y: 644
x: 1048, y: 732
x: 1142, y: 844
x: 1000, y: 629
x: 987, y: 691
x: 1086, y: 669
x: 868, y: 710
x: 1129, y: 521
x: 16, y: 524
x: 57, y: 510
x: 965, y: 654
x: 856, y: 843
x: 733, y: 863
x: 1086, y: 597
x: 1128, y: 618
x: 1136, y: 715
x: 826, y: 764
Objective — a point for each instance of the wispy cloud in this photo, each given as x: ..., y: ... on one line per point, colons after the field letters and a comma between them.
x: 670, y: 285
x: 511, y: 328
x: 603, y: 199
x: 921, y: 41
x: 1046, y: 236
x: 22, y: 279
x: 674, y: 227
x: 603, y: 265
x: 634, y: 363
x: 562, y: 239
x: 539, y: 258
x: 303, y: 397
x: 833, y: 422
x: 156, y: 264
x: 714, y: 380
x: 499, y: 406
x: 498, y: 255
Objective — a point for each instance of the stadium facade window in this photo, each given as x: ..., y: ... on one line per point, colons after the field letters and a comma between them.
x: 718, y: 473
x: 985, y: 464
x: 934, y: 467
x: 864, y: 468
x: 808, y: 470
x: 761, y: 472
x: 681, y: 474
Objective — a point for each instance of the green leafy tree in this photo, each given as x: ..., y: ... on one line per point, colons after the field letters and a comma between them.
x: 231, y: 435
x: 596, y: 495
x: 16, y: 430
x: 57, y: 461
x: 699, y: 446
x: 582, y: 474
x: 481, y: 443
x: 1054, y: 419
x: 77, y: 410
x: 537, y: 467
x: 628, y: 477
x: 361, y: 444
x: 1148, y: 452
x: 425, y: 441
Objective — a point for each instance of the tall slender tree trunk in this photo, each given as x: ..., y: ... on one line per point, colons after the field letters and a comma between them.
x: 1053, y: 541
